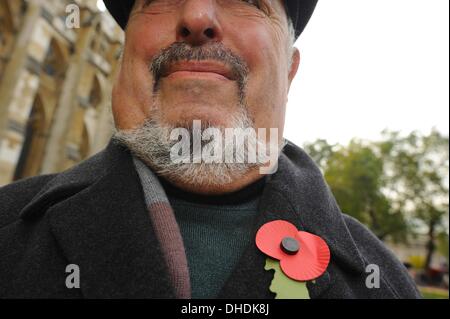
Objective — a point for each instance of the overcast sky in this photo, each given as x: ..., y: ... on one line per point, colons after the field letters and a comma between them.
x: 369, y: 65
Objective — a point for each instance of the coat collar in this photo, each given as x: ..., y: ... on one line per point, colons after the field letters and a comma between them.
x: 98, y: 216
x: 313, y: 207
x: 297, y: 193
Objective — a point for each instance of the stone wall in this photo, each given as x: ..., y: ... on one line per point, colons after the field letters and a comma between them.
x: 55, y: 84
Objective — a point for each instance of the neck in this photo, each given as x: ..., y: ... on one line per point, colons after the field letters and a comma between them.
x: 214, y: 189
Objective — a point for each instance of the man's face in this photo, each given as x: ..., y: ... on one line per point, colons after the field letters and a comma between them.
x: 203, y: 60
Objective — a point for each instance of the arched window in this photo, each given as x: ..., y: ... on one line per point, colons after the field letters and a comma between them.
x: 55, y: 63
x: 95, y: 95
x: 30, y: 159
x: 85, y: 144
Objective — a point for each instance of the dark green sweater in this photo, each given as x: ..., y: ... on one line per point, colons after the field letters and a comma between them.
x: 216, y: 230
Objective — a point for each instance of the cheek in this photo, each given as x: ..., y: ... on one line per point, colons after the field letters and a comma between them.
x: 147, y: 34
x: 134, y: 87
x: 267, y: 83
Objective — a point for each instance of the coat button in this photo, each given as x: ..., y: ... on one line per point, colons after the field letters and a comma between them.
x: 290, y: 245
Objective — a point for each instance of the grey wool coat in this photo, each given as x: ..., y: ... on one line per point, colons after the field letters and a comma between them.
x: 94, y: 216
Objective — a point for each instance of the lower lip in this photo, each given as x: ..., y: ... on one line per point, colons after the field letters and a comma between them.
x: 196, y: 75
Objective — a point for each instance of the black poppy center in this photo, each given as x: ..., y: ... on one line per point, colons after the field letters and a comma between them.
x: 290, y: 245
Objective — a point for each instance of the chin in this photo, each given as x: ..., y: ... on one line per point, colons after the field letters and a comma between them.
x: 208, y: 117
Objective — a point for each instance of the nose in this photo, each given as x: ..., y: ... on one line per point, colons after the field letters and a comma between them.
x: 198, y: 23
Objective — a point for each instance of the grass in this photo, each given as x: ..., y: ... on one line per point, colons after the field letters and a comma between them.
x: 433, y: 293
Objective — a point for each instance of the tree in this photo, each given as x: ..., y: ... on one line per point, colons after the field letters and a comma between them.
x: 417, y: 169
x: 355, y: 175
x: 320, y: 151
x: 397, y: 186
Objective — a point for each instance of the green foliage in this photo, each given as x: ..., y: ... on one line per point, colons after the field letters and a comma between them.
x: 398, y: 186
x: 355, y: 175
x: 428, y: 293
x: 442, y: 244
x: 418, y: 173
x: 417, y: 167
x: 320, y: 151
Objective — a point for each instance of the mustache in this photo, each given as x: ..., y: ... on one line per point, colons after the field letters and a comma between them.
x: 181, y: 51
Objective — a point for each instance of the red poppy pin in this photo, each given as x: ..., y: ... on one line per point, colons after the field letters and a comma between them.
x: 303, y: 256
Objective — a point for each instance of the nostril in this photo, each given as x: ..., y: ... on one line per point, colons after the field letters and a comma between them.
x: 185, y: 32
x: 209, y: 33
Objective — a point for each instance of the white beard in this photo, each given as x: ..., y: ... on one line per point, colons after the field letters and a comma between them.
x: 152, y: 144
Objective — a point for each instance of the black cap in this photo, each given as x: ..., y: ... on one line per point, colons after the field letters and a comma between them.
x: 300, y: 12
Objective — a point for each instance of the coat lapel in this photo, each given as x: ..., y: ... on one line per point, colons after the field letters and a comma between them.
x: 104, y: 228
x: 296, y: 193
x: 249, y: 278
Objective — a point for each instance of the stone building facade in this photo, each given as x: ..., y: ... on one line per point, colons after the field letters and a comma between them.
x: 55, y: 84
